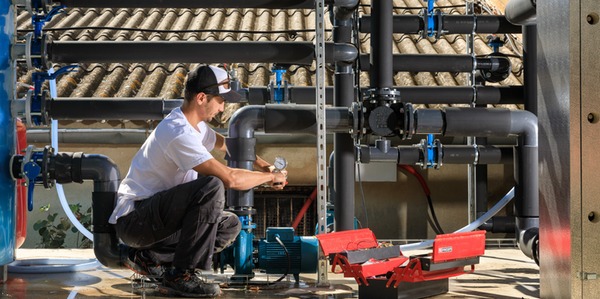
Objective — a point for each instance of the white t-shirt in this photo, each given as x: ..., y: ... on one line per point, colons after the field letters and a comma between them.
x: 165, y: 160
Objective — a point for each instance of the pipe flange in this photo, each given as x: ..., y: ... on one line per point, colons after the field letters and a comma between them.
x: 440, y: 153
x: 358, y: 120
x: 409, y: 121
x: 46, y: 171
x: 385, y: 93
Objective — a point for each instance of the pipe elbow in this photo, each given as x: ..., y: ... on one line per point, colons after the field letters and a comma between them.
x: 525, y: 123
x: 346, y: 53
x: 521, y: 12
x: 101, y: 169
x: 246, y: 120
x: 344, y: 8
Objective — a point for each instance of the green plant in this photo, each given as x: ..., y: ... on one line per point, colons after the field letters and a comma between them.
x: 54, y: 235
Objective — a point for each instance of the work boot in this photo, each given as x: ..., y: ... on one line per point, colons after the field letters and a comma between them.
x: 185, y: 283
x: 140, y: 262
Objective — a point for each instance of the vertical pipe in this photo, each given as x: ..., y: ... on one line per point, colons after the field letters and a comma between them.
x: 481, y: 184
x: 343, y: 145
x: 344, y: 153
x: 381, y: 44
x: 530, y: 67
x: 7, y: 137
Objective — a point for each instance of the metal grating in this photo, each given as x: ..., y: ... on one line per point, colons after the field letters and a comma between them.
x: 279, y: 208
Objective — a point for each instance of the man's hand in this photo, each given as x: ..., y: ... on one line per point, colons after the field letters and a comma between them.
x: 279, y: 180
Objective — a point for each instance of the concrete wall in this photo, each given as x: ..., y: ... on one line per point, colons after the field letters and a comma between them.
x: 396, y: 210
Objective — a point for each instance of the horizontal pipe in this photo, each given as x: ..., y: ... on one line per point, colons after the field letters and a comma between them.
x: 453, y: 24
x: 269, y: 4
x: 194, y: 52
x: 452, y: 154
x: 485, y: 95
x: 110, y: 108
x: 301, y: 119
x: 436, y: 63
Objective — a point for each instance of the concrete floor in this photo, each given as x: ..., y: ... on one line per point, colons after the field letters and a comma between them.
x: 502, y: 273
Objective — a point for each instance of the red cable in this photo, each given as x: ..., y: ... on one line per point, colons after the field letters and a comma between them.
x: 419, y: 177
x: 304, y: 208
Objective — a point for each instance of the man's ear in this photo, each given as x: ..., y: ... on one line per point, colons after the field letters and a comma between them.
x: 200, y: 98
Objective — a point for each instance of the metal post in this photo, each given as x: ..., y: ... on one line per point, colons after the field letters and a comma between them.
x: 471, y: 169
x: 321, y: 134
x: 7, y: 136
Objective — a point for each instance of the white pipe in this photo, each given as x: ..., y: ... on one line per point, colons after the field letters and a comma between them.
x: 470, y: 227
x: 59, y: 188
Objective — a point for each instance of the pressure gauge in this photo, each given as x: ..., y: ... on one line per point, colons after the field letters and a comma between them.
x: 280, y: 163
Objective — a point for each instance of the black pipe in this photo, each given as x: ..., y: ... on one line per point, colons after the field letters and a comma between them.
x: 110, y: 108
x: 451, y: 154
x: 302, y: 53
x: 530, y: 67
x: 343, y: 144
x: 269, y: 4
x: 485, y: 95
x: 77, y: 167
x: 453, y: 24
x: 381, y: 45
x: 521, y: 12
x: 439, y: 63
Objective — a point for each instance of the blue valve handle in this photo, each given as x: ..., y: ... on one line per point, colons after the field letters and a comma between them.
x: 30, y: 171
x: 430, y: 151
x: 431, y: 20
x: 39, y: 20
x: 278, y: 81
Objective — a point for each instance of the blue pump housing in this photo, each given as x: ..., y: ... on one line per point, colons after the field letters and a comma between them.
x: 303, y: 252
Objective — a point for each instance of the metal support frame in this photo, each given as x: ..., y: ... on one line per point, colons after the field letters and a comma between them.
x: 7, y: 135
x: 321, y: 134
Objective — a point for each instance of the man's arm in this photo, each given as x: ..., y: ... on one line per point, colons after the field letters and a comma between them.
x: 241, y: 179
x: 259, y: 163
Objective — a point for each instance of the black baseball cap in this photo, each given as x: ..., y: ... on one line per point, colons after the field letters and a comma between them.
x: 211, y: 80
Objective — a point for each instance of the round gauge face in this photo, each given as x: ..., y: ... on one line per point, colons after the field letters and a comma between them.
x: 280, y: 163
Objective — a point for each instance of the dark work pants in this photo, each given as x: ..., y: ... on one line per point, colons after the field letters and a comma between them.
x: 184, y: 225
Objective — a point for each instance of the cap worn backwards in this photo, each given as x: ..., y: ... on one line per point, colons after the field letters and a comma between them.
x: 211, y: 80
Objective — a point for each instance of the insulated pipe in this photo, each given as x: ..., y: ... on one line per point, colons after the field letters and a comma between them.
x: 380, y: 59
x: 521, y: 12
x: 451, y: 24
x: 302, y: 53
x: 503, y: 122
x: 297, y: 119
x: 485, y: 95
x: 268, y: 4
x: 439, y: 63
x: 110, y: 108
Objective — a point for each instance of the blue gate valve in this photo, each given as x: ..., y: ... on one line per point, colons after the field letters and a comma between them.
x: 279, y: 91
x: 495, y: 42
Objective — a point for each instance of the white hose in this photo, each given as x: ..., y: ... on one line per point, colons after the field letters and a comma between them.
x: 59, y: 188
x: 472, y: 226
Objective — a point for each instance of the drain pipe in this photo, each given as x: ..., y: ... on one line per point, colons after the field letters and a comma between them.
x: 344, y: 95
x: 451, y: 24
x: 500, y: 123
x: 77, y: 167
